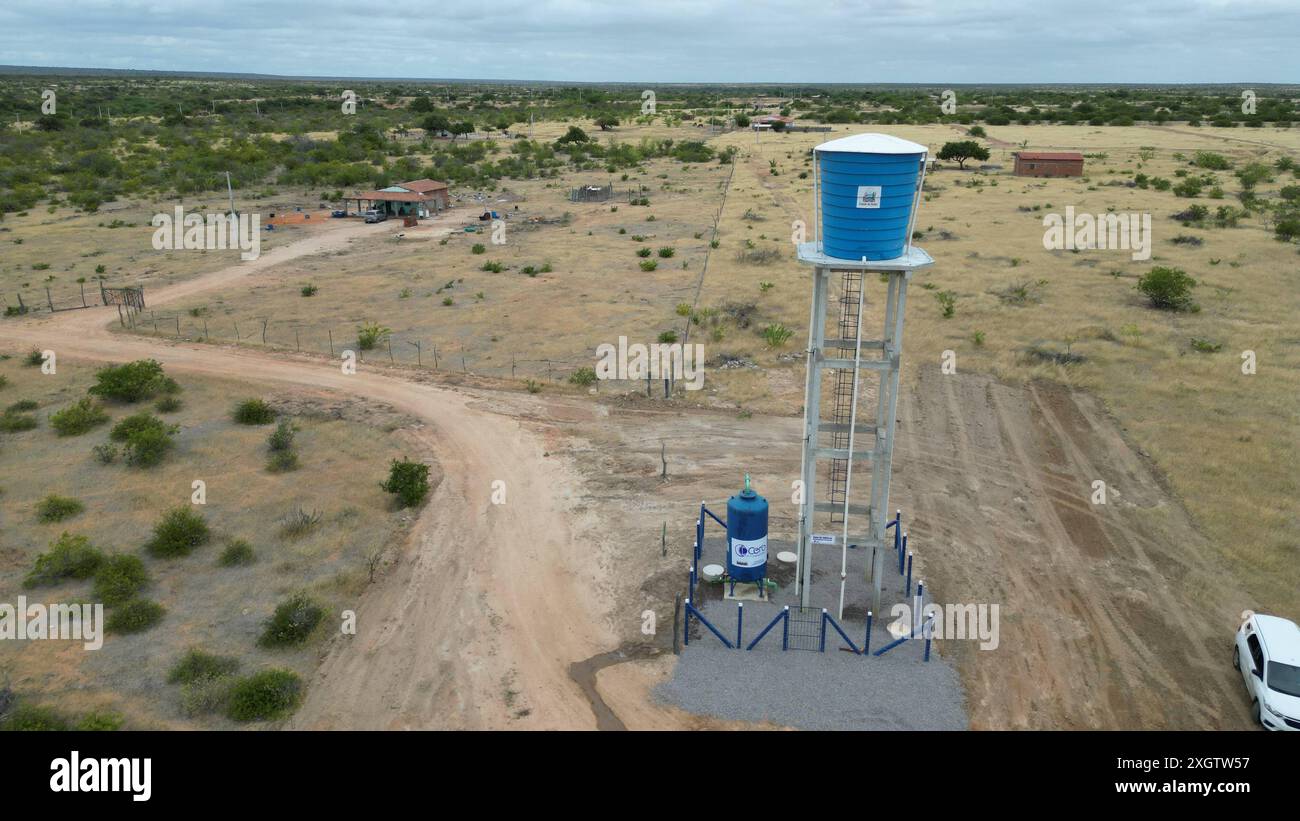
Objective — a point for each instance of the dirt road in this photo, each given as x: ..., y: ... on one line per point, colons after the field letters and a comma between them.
x: 490, y: 603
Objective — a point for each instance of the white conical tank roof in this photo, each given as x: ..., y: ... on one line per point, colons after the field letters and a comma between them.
x: 872, y: 143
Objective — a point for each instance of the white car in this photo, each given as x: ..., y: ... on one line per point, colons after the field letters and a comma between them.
x: 1269, y: 646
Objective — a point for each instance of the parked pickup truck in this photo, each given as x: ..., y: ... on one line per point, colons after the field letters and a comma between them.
x: 376, y: 216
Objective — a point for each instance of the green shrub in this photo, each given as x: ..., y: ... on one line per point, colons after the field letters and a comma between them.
x: 236, y: 553
x: 667, y: 337
x: 493, y: 267
x: 34, y: 358
x: 370, y: 335
x: 196, y: 665
x: 776, y: 335
x: 1168, y: 289
x: 409, y: 481
x: 106, y: 454
x: 12, y: 422
x: 131, y: 382
x: 147, y: 448
x: 292, y: 622
x: 264, y: 696
x: 168, y: 404
x: 308, y: 290
x: 947, y: 303
x: 584, y: 376
x: 78, y: 418
x: 54, y: 508
x: 135, y: 423
x: 282, y: 461
x: 643, y: 252
x: 99, y: 722
x: 649, y: 265
x: 204, y: 696
x: 478, y: 248
x: 1211, y: 160
x: 69, y: 557
x: 177, y: 534
x: 282, y: 437
x: 23, y: 405
x: 134, y: 616
x: 119, y: 578
x: 254, y: 412
x: 26, y: 717
x: 665, y: 253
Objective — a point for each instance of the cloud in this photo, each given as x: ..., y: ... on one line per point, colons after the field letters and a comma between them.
x: 864, y: 41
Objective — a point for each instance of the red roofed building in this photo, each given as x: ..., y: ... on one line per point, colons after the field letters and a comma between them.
x: 418, y: 198
x: 1049, y: 164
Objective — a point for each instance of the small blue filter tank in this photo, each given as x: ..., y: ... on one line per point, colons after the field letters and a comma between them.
x: 747, y: 536
x: 867, y: 188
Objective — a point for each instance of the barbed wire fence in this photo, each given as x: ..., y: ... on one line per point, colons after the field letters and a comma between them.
x: 423, y: 352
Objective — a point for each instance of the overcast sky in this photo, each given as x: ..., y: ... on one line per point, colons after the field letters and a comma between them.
x: 857, y: 41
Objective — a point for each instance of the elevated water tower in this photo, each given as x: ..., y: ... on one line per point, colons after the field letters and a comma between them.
x: 867, y: 189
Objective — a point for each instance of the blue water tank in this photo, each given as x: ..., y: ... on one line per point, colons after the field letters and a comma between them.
x: 868, y: 189
x: 747, y: 536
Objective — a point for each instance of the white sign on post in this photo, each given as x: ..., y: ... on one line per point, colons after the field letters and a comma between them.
x: 823, y: 538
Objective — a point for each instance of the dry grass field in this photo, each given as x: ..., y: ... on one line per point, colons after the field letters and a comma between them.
x: 344, y: 448
x: 1211, y: 488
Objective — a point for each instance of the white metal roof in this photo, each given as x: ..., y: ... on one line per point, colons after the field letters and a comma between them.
x: 873, y: 144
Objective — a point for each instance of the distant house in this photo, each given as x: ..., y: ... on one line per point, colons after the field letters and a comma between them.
x: 418, y: 198
x: 766, y: 121
x: 1049, y: 164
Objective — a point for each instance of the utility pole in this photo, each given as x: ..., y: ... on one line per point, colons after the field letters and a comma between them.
x: 231, y: 191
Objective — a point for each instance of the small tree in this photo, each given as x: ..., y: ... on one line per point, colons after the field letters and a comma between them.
x: 130, y: 382
x: 1169, y: 289
x: 962, y: 151
x: 178, y: 532
x: 606, y: 122
x: 574, y: 135
x: 409, y: 481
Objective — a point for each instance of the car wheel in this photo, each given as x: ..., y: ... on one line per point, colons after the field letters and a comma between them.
x: 1236, y: 658
x: 1254, y: 712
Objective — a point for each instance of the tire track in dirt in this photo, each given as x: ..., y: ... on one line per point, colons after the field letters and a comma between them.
x: 1092, y: 635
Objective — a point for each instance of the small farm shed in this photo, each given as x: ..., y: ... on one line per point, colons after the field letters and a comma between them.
x: 418, y: 198
x: 1049, y: 164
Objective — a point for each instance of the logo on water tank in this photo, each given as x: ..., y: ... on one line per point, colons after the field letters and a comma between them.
x: 749, y: 552
x: 869, y: 196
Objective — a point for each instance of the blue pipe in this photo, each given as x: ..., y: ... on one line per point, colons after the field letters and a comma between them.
x: 740, y: 621
x: 901, y: 551
x: 822, y: 648
x: 866, y: 642
x: 826, y: 617
x: 785, y: 631
x: 784, y: 615
x: 908, y: 589
x: 691, y: 609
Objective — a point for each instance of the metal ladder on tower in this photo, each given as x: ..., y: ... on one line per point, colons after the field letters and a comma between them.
x: 845, y: 432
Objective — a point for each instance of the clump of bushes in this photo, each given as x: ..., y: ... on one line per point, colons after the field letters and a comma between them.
x: 280, y: 443
x: 292, y: 622
x: 947, y: 303
x: 1168, y: 289
x: 147, y: 438
x: 370, y: 335
x: 131, y: 382
x: 299, y: 523
x: 254, y: 412
x: 236, y: 553
x: 584, y: 376
x: 13, y: 421
x: 134, y: 616
x: 119, y: 578
x: 78, y: 418
x: 69, y: 557
x: 177, y: 534
x: 55, y: 508
x: 264, y: 696
x: 196, y: 665
x: 408, y: 481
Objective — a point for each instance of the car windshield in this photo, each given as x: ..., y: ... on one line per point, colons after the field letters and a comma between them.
x: 1284, y: 678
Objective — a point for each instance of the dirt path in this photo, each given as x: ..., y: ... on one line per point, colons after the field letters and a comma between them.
x: 490, y: 603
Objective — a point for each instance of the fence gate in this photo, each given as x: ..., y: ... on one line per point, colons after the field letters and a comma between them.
x: 129, y: 297
x: 805, y: 628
